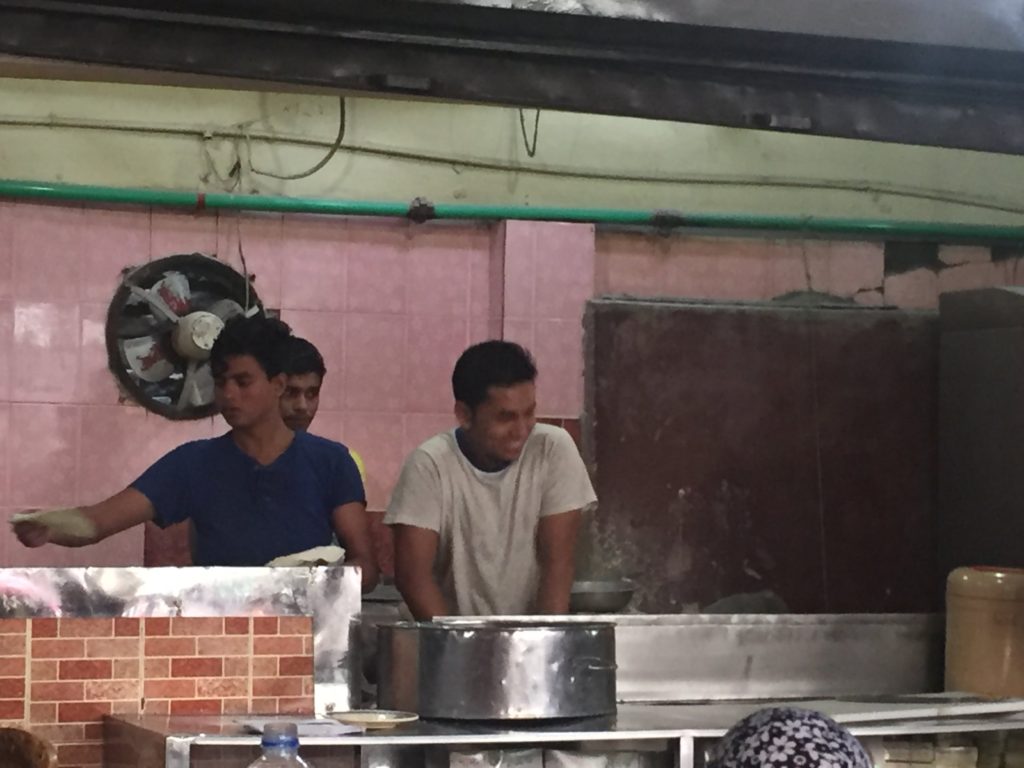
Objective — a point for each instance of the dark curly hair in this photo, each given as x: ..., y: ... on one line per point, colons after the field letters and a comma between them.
x: 490, y: 364
x: 264, y: 338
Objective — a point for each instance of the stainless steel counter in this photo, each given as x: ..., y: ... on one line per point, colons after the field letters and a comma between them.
x: 679, y: 729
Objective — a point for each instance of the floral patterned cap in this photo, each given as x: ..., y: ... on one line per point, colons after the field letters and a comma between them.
x: 787, y: 737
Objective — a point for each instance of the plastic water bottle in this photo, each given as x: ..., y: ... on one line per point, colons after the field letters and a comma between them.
x: 280, y: 744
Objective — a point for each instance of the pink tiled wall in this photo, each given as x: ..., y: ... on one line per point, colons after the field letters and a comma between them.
x: 390, y: 303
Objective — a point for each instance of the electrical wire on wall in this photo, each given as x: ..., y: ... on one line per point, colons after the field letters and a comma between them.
x: 860, y: 186
x: 531, y: 146
x: 319, y: 165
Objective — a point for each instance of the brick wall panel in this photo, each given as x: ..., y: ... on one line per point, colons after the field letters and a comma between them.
x: 181, y: 688
x: 157, y: 626
x: 47, y: 669
x: 197, y: 667
x: 127, y: 627
x: 197, y: 626
x: 121, y: 647
x: 86, y: 669
x: 196, y: 707
x: 169, y: 646
x: 85, y: 628
x: 235, y: 625
x: 12, y: 666
x: 46, y: 648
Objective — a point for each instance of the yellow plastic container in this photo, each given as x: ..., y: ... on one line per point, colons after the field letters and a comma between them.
x: 985, y: 631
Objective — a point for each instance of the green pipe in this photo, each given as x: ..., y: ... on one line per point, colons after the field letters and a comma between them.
x: 422, y: 211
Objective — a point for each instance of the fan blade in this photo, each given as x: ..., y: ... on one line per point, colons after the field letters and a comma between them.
x: 156, y: 303
x: 146, y: 358
x: 226, y: 309
x: 197, y: 390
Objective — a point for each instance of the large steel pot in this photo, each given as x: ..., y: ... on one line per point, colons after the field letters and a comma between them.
x: 497, y: 670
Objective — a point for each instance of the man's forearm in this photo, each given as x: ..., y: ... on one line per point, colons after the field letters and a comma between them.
x: 555, y: 588
x: 425, y: 599
x: 368, y: 567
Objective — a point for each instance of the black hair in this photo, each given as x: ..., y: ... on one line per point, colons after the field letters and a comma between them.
x: 303, y: 357
x: 490, y: 364
x: 261, y: 337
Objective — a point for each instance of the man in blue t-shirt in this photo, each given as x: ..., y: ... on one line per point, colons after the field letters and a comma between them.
x: 254, y: 494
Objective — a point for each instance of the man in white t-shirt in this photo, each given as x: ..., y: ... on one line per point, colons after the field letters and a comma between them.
x: 485, y: 516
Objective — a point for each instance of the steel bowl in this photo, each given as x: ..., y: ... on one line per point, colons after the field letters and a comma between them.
x: 601, y: 596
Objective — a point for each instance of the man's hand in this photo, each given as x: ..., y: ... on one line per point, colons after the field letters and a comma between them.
x: 556, y: 551
x: 31, y: 534
x: 352, y: 527
x: 415, y: 550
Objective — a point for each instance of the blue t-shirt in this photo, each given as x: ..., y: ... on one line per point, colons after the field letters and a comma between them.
x: 248, y: 514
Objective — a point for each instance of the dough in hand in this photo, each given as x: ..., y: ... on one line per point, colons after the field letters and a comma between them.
x: 66, y: 522
x: 328, y: 555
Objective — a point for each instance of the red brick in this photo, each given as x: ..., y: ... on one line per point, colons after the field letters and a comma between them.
x: 12, y: 709
x: 277, y: 646
x: 197, y: 626
x: 157, y: 626
x: 44, y: 671
x: 82, y: 669
x: 264, y: 666
x: 12, y: 687
x: 11, y: 666
x: 307, y: 645
x: 156, y: 668
x: 264, y: 706
x: 57, y: 649
x: 295, y: 665
x: 170, y: 689
x: 111, y: 690
x: 80, y: 754
x: 12, y: 645
x: 86, y: 628
x: 44, y: 627
x: 126, y: 706
x: 92, y: 731
x: 223, y: 646
x: 295, y: 706
x: 277, y: 686
x: 43, y: 713
x: 126, y: 627
x: 61, y: 733
x: 240, y: 666
x: 57, y: 691
x: 106, y: 649
x: 296, y: 625
x: 170, y: 646
x: 236, y: 625
x: 157, y: 707
x: 222, y: 687
x: 195, y: 707
x: 264, y: 625
x: 235, y: 706
x: 307, y: 686
x: 125, y: 669
x: 197, y: 667
x: 82, y: 711
x: 13, y: 626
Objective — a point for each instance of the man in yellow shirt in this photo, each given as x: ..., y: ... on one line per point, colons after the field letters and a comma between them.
x: 305, y: 372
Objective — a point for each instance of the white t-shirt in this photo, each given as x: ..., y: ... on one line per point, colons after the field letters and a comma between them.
x: 487, y: 521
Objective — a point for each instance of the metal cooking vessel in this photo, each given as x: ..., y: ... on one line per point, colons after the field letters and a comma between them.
x: 497, y: 670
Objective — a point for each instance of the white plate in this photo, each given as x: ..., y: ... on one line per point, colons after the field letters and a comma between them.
x: 375, y: 718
